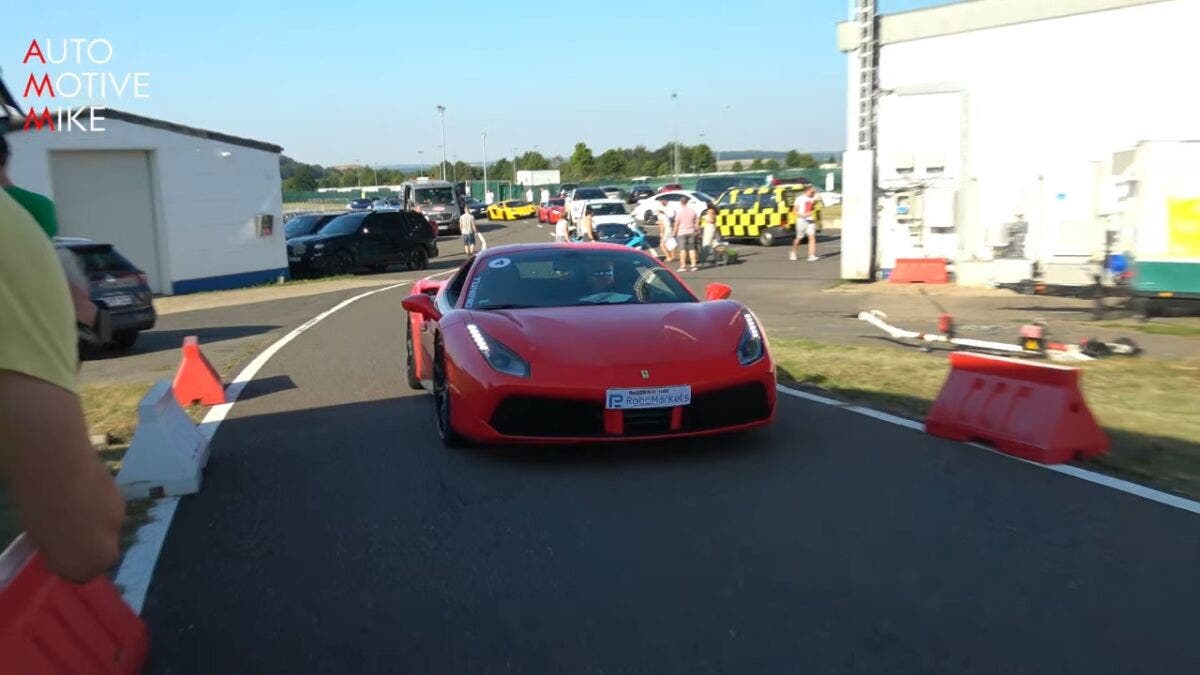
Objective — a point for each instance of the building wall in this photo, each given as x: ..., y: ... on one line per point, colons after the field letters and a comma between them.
x: 1045, y: 105
x: 206, y: 195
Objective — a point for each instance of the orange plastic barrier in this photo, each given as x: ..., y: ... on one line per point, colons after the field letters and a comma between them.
x: 196, y: 380
x: 920, y: 271
x: 1030, y: 410
x: 50, y: 625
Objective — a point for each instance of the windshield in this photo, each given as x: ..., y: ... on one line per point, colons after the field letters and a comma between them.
x: 434, y: 195
x: 613, y: 230
x: 607, y: 209
x: 572, y: 277
x: 347, y: 224
x: 590, y: 193
x: 301, y: 226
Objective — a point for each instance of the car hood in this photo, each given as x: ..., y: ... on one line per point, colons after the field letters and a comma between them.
x: 314, y: 239
x: 617, y: 335
x: 624, y: 219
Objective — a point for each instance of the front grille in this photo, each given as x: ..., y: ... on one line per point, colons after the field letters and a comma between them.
x: 646, y: 422
x: 539, y: 416
x: 297, y: 249
x: 727, y: 407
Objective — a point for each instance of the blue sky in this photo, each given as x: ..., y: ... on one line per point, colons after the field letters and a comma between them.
x: 359, y: 81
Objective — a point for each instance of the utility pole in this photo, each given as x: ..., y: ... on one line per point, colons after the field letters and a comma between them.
x: 485, y: 182
x: 516, y: 185
x: 442, y: 111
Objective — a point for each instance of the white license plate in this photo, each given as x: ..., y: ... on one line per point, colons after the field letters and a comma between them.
x: 648, y: 397
x: 293, y: 258
x: 443, y: 227
x: 119, y: 301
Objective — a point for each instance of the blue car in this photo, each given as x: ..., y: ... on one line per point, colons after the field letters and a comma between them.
x: 620, y: 234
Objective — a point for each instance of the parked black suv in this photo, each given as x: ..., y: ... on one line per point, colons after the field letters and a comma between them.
x: 639, y: 192
x: 371, y: 239
x: 117, y: 286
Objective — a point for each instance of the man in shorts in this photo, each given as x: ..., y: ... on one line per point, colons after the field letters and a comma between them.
x: 466, y: 225
x: 685, y: 234
x: 806, y: 225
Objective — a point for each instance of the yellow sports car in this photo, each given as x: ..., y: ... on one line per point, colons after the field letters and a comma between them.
x: 512, y: 209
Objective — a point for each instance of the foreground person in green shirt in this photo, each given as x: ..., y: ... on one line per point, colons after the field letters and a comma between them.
x: 64, y: 497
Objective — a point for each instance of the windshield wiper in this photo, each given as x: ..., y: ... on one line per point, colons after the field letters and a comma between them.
x: 504, y: 306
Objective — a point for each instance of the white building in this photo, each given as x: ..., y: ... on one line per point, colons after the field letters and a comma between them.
x: 195, y: 209
x: 996, y: 122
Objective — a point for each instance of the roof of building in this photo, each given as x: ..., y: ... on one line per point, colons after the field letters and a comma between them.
x: 970, y: 15
x: 17, y: 122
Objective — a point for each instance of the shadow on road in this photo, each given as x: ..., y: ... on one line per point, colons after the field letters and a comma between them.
x: 153, y: 341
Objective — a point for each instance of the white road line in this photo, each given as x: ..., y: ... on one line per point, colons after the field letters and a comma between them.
x: 137, y: 567
x: 1125, y: 486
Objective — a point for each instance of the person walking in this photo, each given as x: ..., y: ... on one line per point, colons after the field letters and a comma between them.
x: 685, y: 234
x: 805, y: 224
x: 587, y: 226
x: 663, y: 214
x: 64, y: 497
x: 466, y: 225
x: 709, y: 235
x: 562, y: 230
x: 545, y: 194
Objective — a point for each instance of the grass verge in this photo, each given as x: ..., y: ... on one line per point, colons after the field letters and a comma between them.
x: 1178, y: 330
x: 1147, y: 406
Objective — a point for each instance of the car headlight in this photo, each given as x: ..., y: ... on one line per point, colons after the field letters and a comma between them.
x: 751, y: 347
x: 318, y: 247
x: 497, y: 355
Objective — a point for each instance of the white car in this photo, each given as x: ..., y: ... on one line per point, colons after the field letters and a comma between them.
x: 573, y: 208
x: 697, y: 201
x: 608, y: 211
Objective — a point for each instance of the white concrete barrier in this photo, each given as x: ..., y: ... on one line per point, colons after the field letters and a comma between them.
x: 167, y: 453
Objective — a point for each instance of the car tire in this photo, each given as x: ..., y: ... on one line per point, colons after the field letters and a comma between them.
x: 418, y: 258
x: 766, y: 238
x: 414, y: 382
x: 341, y: 264
x: 124, y: 339
x: 442, y: 400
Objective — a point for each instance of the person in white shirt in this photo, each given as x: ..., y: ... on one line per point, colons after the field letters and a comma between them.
x: 806, y: 224
x: 466, y: 225
x: 664, y: 215
x: 529, y: 195
x: 562, y: 231
x: 545, y: 195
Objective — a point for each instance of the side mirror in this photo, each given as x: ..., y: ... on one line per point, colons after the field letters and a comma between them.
x: 422, y: 304
x: 716, y: 291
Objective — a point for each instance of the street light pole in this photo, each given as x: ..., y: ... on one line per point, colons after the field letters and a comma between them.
x: 420, y: 162
x: 485, y: 181
x: 516, y: 185
x: 442, y: 111
x: 675, y: 102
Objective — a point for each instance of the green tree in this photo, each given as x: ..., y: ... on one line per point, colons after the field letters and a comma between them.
x: 771, y: 164
x: 737, y: 166
x: 792, y: 160
x: 807, y: 161
x: 611, y: 163
x: 501, y: 170
x: 702, y: 158
x: 582, y: 163
x: 533, y: 161
x: 757, y: 164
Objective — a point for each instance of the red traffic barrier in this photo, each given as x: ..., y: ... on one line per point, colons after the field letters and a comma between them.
x: 1029, y: 410
x: 920, y: 271
x: 50, y: 625
x: 196, y: 380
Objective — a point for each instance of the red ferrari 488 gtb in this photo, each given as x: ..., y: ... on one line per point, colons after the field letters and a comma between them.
x: 568, y: 343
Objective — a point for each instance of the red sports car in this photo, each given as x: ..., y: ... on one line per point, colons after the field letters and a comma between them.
x: 551, y: 211
x: 570, y: 343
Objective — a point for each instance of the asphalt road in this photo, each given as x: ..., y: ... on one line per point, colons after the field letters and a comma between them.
x: 334, y: 534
